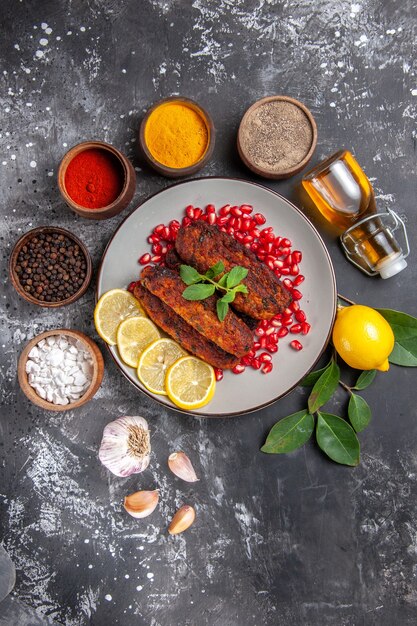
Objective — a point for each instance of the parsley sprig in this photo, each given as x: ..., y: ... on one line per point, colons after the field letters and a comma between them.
x: 202, y: 286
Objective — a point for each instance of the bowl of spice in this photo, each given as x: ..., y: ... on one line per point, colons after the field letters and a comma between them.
x: 277, y: 137
x: 50, y: 266
x: 60, y: 369
x: 96, y: 180
x: 177, y: 137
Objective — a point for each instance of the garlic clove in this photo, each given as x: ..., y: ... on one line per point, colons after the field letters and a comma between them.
x: 180, y: 465
x: 141, y: 503
x: 182, y: 520
x: 125, y: 447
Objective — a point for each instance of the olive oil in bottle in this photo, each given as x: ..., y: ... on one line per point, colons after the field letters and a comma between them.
x: 343, y: 194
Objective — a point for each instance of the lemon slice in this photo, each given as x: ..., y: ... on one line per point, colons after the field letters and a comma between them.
x: 113, y: 307
x: 133, y: 336
x: 190, y: 383
x: 155, y: 361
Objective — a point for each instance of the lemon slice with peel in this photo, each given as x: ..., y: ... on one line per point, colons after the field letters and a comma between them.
x: 190, y: 383
x: 113, y: 307
x: 133, y: 336
x: 155, y: 361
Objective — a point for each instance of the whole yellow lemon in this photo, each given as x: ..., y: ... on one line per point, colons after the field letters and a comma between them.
x: 363, y: 338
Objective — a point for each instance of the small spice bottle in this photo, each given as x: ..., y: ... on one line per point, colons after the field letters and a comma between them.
x: 177, y: 137
x: 343, y: 194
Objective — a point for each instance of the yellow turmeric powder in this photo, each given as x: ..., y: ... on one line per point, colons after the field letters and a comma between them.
x: 176, y: 135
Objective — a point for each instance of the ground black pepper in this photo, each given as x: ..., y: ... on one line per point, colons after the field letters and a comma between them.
x: 276, y: 136
x: 51, y: 267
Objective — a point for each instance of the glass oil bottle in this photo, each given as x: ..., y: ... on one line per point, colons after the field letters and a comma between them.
x: 343, y: 194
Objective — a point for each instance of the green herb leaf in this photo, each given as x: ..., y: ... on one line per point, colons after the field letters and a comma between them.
x: 222, y: 308
x: 198, y: 292
x: 290, y: 433
x: 215, y: 270
x: 359, y: 412
x: 404, y: 327
x: 228, y: 297
x: 312, y: 377
x: 236, y: 275
x: 324, y: 387
x: 364, y: 380
x: 223, y: 280
x: 337, y: 439
x: 189, y: 275
x: 242, y: 288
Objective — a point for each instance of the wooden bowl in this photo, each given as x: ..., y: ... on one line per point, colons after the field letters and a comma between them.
x: 270, y: 173
x: 125, y: 196
x: 23, y: 240
x: 177, y: 172
x: 98, y: 370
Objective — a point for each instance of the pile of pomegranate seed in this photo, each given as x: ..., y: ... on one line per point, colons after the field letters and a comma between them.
x: 276, y: 252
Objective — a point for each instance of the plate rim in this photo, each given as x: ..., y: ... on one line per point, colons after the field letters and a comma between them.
x: 326, y: 341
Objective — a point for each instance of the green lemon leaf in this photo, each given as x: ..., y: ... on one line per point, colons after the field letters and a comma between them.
x: 365, y: 379
x: 290, y: 433
x: 324, y: 387
x: 189, y: 275
x: 236, y: 275
x: 198, y: 292
x: 215, y: 270
x: 222, y: 308
x: 359, y: 412
x: 404, y: 327
x: 228, y: 297
x: 337, y: 439
x: 312, y: 377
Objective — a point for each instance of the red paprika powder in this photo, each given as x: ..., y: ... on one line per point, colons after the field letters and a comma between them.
x: 94, y: 178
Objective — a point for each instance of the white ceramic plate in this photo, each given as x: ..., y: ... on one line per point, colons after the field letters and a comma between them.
x: 235, y: 394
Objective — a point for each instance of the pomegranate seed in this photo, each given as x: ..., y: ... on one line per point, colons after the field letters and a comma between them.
x: 287, y: 312
x: 259, y: 218
x: 256, y: 364
x: 131, y: 286
x: 295, y: 328
x: 277, y: 273
x: 210, y: 209
x: 197, y: 213
x: 256, y: 346
x: 287, y: 282
x: 300, y: 316
x: 246, y: 360
x: 159, y: 229
x: 254, y: 247
x: 211, y: 218
x: 297, y: 256
x: 223, y: 229
x: 283, y: 331
x: 276, y: 323
x: 221, y: 221
x: 267, y: 368
x: 189, y: 211
x: 236, y: 211
x: 239, y: 237
x: 218, y: 373
x: 277, y: 241
x: 164, y: 250
x: 174, y: 224
x: 246, y: 224
x: 305, y: 328
x: 286, y: 243
x: 297, y: 281
x: 247, y: 239
x: 269, y: 263
x: 295, y: 306
x: 297, y: 295
x: 230, y: 231
x: 287, y: 321
x: 156, y: 248
x: 294, y: 269
x: 270, y: 331
x: 288, y: 259
x: 278, y: 263
x: 156, y: 258
x: 285, y: 271
x: 246, y: 208
x: 272, y: 339
x: 268, y: 237
x: 263, y: 324
x: 260, y: 332
x: 145, y: 258
x: 225, y: 210
x: 232, y: 222
x: 186, y: 221
x: 268, y: 247
x: 272, y: 348
x: 238, y: 369
x: 154, y: 238
x: 284, y: 252
x: 296, y: 345
x: 263, y: 342
x: 169, y: 246
x: 265, y: 357
x: 255, y: 232
x: 166, y: 233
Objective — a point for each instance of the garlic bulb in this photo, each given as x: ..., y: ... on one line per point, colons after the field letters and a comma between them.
x: 125, y: 447
x: 141, y: 503
x: 182, y: 520
x: 180, y: 465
